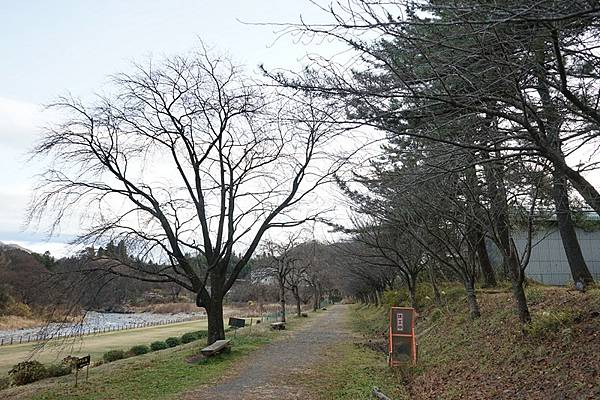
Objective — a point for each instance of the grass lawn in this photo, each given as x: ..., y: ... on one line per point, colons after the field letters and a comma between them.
x: 160, y: 375
x: 164, y: 374
x: 95, y: 345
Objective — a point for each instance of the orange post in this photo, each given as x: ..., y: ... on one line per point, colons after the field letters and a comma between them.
x: 399, y: 331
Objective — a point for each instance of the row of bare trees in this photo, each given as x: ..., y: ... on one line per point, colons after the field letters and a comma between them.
x: 490, y: 116
x: 489, y: 111
x: 299, y: 266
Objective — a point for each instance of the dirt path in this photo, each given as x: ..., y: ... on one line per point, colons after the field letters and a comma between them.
x: 265, y: 374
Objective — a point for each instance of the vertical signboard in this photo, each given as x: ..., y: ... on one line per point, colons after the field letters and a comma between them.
x: 402, y: 341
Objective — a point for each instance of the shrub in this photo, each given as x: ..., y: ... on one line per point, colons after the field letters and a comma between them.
x: 4, y: 383
x: 27, y: 372
x: 113, y: 355
x: 158, y: 345
x: 58, y: 370
x: 173, y: 341
x: 139, y: 350
x: 189, y: 337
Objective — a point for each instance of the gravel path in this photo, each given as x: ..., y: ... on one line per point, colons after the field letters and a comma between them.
x: 265, y: 374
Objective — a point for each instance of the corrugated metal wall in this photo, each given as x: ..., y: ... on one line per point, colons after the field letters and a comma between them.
x: 548, y: 263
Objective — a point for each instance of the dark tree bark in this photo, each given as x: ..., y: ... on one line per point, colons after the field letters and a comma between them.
x: 282, y: 301
x: 474, y: 311
x: 298, y: 300
x: 577, y: 264
x: 499, y: 208
x: 487, y: 270
x: 437, y: 298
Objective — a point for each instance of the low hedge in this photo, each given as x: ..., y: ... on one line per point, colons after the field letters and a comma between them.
x: 58, y: 370
x: 173, y: 341
x: 158, y: 345
x: 139, y: 350
x: 113, y: 355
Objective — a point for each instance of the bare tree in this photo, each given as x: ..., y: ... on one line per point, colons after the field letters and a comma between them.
x: 185, y: 160
x: 278, y: 263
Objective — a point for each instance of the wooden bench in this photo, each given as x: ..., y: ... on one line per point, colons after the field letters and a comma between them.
x: 216, y: 348
x: 278, y: 326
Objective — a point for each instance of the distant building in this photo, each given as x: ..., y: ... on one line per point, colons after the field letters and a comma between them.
x: 548, y: 263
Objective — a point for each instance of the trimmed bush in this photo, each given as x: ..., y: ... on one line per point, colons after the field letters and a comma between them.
x: 58, y: 370
x: 27, y: 372
x: 173, y: 341
x: 139, y: 350
x: 189, y: 337
x: 158, y: 345
x: 113, y: 355
x: 4, y: 383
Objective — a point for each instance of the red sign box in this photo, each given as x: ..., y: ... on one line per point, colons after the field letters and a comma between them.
x: 402, y: 340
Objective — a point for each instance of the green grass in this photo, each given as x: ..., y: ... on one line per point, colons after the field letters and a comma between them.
x: 163, y: 374
x: 160, y: 375
x: 355, y: 368
x: 95, y: 345
x: 356, y: 373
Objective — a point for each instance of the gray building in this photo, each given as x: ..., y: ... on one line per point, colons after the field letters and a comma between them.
x: 548, y: 263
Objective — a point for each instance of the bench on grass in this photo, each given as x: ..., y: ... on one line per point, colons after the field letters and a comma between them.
x: 278, y: 326
x: 216, y: 348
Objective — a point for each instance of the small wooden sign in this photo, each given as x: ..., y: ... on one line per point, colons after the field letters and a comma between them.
x: 402, y: 347
x: 83, y: 362
x: 237, y: 322
x: 80, y: 363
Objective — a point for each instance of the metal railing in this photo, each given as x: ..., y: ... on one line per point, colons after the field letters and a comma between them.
x: 80, y: 330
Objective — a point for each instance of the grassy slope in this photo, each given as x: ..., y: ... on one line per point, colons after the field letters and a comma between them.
x: 95, y: 345
x: 559, y: 357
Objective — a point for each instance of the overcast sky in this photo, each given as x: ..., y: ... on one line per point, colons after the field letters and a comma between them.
x: 51, y: 48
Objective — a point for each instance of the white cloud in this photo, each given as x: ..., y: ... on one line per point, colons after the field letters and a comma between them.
x: 56, y: 249
x: 20, y: 124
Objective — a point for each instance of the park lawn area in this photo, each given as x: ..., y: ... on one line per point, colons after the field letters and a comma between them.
x: 158, y: 375
x: 95, y: 345
x: 164, y: 374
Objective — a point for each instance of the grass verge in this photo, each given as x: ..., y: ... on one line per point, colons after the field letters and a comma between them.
x: 164, y: 374
x: 490, y: 357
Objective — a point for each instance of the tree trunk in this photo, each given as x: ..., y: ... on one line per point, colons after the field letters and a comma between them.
x: 216, y: 328
x: 298, y: 301
x: 487, y: 271
x: 474, y: 311
x: 579, y: 269
x: 437, y: 298
x: 282, y: 301
x: 412, y: 297
x: 499, y: 208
